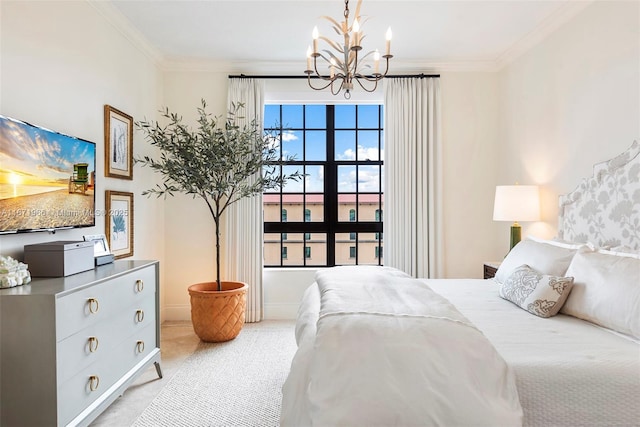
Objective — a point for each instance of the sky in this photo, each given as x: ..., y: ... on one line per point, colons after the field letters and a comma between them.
x: 294, y: 119
x: 31, y: 155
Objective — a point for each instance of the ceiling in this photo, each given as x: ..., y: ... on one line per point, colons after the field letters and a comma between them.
x: 267, y: 36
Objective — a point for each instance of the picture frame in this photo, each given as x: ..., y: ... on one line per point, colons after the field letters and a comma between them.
x: 119, y: 223
x: 100, y: 244
x: 118, y: 143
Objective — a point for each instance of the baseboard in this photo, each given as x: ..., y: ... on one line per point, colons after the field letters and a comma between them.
x: 176, y: 312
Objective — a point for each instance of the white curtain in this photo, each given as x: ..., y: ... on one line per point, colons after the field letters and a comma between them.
x: 413, y: 184
x: 242, y: 254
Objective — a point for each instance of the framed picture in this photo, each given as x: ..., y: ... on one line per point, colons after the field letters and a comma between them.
x: 119, y: 223
x: 100, y: 244
x: 118, y: 143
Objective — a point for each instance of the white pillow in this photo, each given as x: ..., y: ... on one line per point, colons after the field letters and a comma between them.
x: 552, y: 260
x: 606, y: 291
x: 539, y: 294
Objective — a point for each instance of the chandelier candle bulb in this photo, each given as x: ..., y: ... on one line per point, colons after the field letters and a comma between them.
x: 315, y: 36
x: 309, y: 58
x: 356, y: 33
x: 389, y: 41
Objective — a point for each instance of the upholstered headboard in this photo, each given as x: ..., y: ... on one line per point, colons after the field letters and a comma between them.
x: 605, y: 208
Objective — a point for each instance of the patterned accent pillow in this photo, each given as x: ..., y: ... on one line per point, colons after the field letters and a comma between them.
x: 537, y: 293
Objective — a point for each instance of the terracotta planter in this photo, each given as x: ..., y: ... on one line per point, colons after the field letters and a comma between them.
x: 218, y: 316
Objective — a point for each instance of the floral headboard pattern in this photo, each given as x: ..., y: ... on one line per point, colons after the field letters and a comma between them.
x: 605, y: 208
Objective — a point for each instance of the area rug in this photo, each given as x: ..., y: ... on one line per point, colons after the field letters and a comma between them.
x: 237, y: 383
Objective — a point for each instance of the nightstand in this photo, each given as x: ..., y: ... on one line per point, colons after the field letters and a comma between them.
x: 490, y: 269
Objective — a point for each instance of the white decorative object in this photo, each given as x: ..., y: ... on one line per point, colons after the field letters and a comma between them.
x: 13, y: 272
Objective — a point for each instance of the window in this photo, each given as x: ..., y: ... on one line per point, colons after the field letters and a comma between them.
x: 284, y: 236
x: 284, y: 252
x: 339, y: 149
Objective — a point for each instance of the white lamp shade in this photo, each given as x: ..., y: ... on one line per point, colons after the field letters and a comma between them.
x: 516, y: 203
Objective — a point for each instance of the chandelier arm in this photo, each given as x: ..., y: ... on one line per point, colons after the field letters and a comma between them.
x: 368, y: 90
x: 318, y: 88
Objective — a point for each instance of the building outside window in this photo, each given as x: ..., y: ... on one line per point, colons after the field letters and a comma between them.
x: 340, y: 150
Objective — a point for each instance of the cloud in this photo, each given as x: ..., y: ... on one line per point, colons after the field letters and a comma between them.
x: 288, y: 136
x: 368, y: 153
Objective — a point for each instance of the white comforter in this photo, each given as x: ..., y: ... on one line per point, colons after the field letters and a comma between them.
x: 378, y: 348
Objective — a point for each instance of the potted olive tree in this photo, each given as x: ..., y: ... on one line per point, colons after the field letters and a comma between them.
x: 220, y: 162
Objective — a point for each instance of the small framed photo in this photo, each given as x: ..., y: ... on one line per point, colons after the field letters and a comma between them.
x: 118, y: 143
x: 119, y: 223
x: 100, y: 244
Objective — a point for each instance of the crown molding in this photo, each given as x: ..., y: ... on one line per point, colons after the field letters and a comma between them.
x: 561, y: 16
x: 114, y: 17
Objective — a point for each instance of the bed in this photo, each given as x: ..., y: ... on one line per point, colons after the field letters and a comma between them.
x: 552, y: 340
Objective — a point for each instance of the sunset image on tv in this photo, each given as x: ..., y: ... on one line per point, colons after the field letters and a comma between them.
x: 47, y: 179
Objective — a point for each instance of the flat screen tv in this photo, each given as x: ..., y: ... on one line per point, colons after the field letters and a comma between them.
x: 47, y: 179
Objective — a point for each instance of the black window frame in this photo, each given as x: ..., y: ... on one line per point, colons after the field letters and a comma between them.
x: 331, y: 225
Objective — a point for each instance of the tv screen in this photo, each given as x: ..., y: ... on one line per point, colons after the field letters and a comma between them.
x: 47, y: 179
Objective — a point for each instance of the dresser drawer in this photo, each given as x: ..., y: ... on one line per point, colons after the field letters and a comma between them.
x: 76, y: 393
x: 92, y: 305
x: 99, y: 340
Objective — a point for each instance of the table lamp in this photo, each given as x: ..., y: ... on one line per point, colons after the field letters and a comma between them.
x: 516, y: 203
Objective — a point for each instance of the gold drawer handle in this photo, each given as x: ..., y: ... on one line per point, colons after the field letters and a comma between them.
x: 93, y: 305
x: 140, y: 346
x: 93, y: 344
x: 94, y: 382
x: 139, y: 315
x: 139, y: 285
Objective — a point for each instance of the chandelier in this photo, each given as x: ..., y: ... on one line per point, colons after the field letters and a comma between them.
x: 342, y: 59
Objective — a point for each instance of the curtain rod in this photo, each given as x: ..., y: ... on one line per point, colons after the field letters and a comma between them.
x: 396, y: 76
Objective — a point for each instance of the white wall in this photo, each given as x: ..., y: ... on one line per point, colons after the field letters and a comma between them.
x: 570, y: 102
x: 189, y: 228
x: 60, y: 63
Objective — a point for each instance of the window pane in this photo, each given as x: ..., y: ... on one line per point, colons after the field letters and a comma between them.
x: 292, y: 145
x: 307, y: 215
x: 307, y: 251
x: 292, y: 116
x: 367, y: 206
x: 315, y: 203
x: 368, y: 145
x: 272, y: 249
x: 318, y: 247
x: 345, y: 145
x: 314, y: 177
x: 292, y: 186
x: 346, y: 205
x: 272, y: 171
x: 295, y: 249
x: 369, y: 179
x: 292, y: 203
x: 284, y: 252
x: 346, y: 179
x: 316, y: 116
x: 368, y: 116
x: 315, y: 145
x: 271, y: 207
x: 345, y: 116
x: 343, y: 245
x: 271, y: 116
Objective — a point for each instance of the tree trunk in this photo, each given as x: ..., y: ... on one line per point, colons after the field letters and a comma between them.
x: 217, y: 224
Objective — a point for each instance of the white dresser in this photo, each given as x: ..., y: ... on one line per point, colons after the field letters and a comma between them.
x: 70, y: 346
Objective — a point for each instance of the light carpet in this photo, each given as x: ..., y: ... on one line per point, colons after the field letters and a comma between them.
x: 237, y: 383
